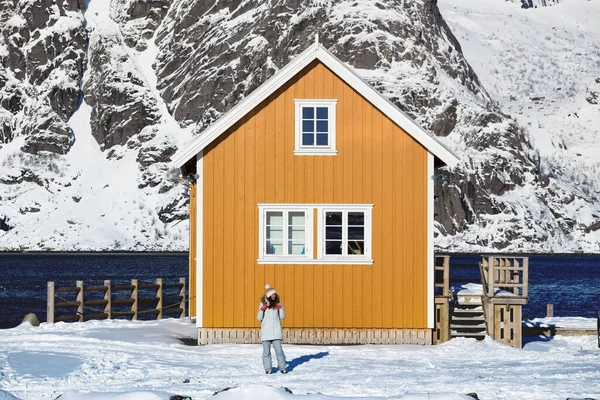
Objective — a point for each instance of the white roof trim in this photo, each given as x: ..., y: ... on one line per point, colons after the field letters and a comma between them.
x: 315, y: 51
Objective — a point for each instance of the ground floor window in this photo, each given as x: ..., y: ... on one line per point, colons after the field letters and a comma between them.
x: 342, y: 231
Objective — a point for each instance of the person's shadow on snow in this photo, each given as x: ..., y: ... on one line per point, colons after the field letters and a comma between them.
x: 303, y: 359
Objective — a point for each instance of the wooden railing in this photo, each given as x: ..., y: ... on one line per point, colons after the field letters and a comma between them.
x: 504, y: 275
x: 105, y: 303
x: 505, y: 291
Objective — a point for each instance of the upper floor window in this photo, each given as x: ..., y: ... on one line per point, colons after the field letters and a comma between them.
x: 315, y: 126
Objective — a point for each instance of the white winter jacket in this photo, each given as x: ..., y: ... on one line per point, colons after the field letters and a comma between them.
x: 271, y: 323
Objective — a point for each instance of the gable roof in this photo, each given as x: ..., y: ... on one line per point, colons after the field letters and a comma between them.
x: 314, y: 52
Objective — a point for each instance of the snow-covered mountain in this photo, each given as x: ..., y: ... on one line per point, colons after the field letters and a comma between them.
x: 96, y: 95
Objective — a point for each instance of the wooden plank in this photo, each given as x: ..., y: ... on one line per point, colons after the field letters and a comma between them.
x: 182, y: 293
x: 159, y: 295
x: 239, y: 227
x: 420, y: 247
x: 108, y: 298
x: 79, y: 284
x: 387, y: 238
x: 50, y: 303
x: 250, y: 218
x: 400, y: 231
x: 134, y: 297
x: 377, y: 227
x: 227, y: 310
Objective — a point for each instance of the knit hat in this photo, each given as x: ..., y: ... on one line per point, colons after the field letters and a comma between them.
x: 270, y: 291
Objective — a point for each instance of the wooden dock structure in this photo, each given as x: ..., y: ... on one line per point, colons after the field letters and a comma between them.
x: 496, y: 311
x: 505, y: 282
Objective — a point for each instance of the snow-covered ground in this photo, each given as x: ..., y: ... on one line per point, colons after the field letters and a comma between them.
x: 124, y: 360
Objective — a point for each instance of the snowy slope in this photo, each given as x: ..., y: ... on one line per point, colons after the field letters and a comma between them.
x: 94, y: 101
x: 542, y: 66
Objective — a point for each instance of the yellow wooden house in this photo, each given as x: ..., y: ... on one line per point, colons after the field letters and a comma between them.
x: 320, y: 187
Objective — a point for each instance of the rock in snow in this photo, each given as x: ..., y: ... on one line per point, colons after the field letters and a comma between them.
x: 96, y: 96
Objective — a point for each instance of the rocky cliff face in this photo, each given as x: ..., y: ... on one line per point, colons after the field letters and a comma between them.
x: 140, y: 76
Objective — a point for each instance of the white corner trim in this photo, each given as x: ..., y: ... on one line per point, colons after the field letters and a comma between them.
x: 199, y: 237
x: 313, y: 52
x: 430, y: 247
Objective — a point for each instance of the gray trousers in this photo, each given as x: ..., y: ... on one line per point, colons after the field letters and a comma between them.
x: 266, y: 358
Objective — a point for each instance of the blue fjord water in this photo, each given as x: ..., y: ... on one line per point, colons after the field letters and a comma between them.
x: 570, y: 282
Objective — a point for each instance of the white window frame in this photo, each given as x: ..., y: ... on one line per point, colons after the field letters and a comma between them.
x: 308, y: 257
x: 284, y: 258
x: 367, y: 257
x: 315, y: 150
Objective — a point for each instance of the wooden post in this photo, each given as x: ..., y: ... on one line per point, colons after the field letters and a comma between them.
x: 183, y: 299
x: 447, y: 276
x: 79, y: 284
x: 516, y: 276
x: 134, y: 296
x: 107, y: 297
x: 525, y: 276
x: 50, y: 307
x: 549, y: 310
x: 159, y: 294
x: 492, y: 276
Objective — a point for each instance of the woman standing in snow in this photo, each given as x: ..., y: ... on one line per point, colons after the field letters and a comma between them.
x: 270, y: 314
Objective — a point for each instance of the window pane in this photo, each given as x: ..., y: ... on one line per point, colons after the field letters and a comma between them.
x: 356, y: 218
x: 356, y: 233
x: 296, y: 248
x: 275, y: 232
x: 333, y: 232
x: 296, y: 218
x: 333, y: 247
x: 308, y: 126
x: 333, y: 218
x: 322, y: 113
x: 356, y: 247
x: 322, y: 139
x: 308, y: 139
x: 274, y: 247
x: 296, y: 233
x: 274, y: 218
x: 308, y: 113
x: 322, y: 126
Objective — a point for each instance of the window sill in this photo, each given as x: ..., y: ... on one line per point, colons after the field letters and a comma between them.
x: 338, y: 261
x: 315, y: 152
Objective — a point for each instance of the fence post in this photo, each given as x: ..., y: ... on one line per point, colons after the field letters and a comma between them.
x: 134, y: 296
x: 79, y: 284
x: 183, y: 299
x: 108, y: 297
x: 159, y: 294
x: 549, y: 310
x: 492, y: 276
x: 50, y: 307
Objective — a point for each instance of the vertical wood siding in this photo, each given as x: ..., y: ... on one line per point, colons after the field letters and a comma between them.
x: 377, y: 162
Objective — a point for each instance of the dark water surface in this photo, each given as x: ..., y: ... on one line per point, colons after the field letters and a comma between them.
x: 24, y: 276
x: 570, y: 282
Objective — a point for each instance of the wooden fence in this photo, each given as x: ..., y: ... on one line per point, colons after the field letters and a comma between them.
x: 114, y: 301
